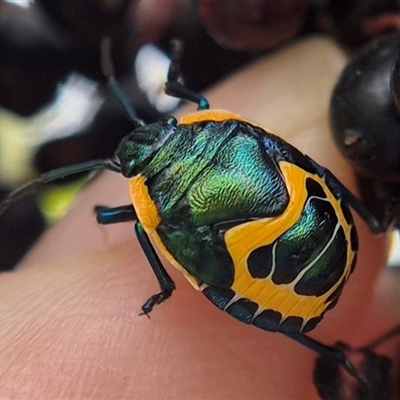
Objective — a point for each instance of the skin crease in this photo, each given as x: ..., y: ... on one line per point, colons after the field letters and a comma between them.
x: 70, y: 327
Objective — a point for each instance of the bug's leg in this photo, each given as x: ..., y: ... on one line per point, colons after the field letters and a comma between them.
x: 331, y: 383
x: 107, y: 68
x: 174, y: 88
x: 376, y: 368
x: 106, y: 216
x: 375, y: 224
x: 115, y: 215
x: 57, y: 174
x: 167, y: 285
x: 333, y: 353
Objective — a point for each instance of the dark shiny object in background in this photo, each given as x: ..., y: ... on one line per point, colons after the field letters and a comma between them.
x: 366, y: 124
x: 364, y: 119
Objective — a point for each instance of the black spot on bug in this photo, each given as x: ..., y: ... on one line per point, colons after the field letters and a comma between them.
x: 314, y: 189
x: 311, y: 324
x: 268, y: 320
x: 291, y: 324
x: 220, y: 297
x: 243, y: 310
x: 326, y: 270
x: 259, y: 262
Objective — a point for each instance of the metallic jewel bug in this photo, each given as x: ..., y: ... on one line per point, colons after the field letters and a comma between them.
x: 263, y: 231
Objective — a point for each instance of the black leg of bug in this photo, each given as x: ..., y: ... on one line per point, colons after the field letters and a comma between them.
x: 107, y: 67
x: 377, y: 369
x: 173, y: 87
x: 375, y: 224
x: 56, y: 175
x: 332, y: 384
x: 166, y: 283
x: 333, y: 353
x: 106, y: 216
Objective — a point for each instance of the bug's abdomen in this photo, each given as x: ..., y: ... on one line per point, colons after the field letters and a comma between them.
x: 290, y: 269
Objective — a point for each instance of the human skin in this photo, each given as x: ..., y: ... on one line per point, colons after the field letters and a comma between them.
x: 70, y: 325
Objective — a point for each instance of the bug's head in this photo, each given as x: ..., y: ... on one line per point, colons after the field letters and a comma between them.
x: 138, y: 148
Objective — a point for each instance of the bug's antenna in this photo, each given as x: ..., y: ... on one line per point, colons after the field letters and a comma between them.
x: 55, y: 175
x: 107, y: 67
x: 174, y: 86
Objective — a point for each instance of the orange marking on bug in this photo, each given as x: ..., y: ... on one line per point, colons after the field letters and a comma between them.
x: 145, y: 208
